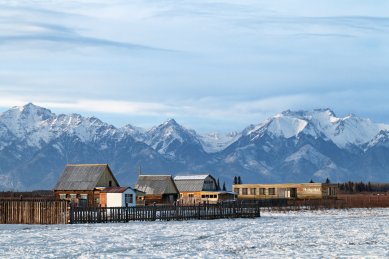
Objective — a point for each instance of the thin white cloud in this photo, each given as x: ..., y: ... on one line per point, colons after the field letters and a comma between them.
x: 238, y: 61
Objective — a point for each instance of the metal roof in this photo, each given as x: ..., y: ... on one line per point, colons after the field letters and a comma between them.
x: 191, y: 177
x: 191, y: 183
x: 115, y: 189
x: 82, y: 176
x: 156, y: 184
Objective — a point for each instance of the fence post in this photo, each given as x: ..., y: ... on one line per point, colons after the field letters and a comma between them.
x: 154, y: 211
x: 71, y: 211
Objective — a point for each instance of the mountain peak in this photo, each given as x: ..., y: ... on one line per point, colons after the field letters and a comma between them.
x: 32, y: 108
x: 328, y: 111
x: 171, y: 121
x: 303, y: 113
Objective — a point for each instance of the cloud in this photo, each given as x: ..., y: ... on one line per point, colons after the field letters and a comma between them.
x: 21, y: 33
x: 209, y: 64
x: 75, y: 40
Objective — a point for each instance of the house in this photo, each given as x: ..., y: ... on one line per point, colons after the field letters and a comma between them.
x: 200, y: 188
x: 160, y: 189
x: 140, y: 197
x: 118, y: 197
x: 289, y: 191
x: 82, y: 183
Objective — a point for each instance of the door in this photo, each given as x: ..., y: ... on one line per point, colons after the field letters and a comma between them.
x: 293, y: 192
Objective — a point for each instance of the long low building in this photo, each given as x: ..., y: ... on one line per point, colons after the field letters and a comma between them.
x: 289, y: 191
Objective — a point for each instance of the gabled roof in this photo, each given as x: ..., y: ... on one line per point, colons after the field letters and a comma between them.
x: 156, y: 184
x: 82, y: 177
x: 191, y: 183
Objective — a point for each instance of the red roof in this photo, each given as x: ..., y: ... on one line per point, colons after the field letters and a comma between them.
x: 115, y: 189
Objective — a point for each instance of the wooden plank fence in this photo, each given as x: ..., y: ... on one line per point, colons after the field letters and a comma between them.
x: 34, y: 212
x: 164, y: 212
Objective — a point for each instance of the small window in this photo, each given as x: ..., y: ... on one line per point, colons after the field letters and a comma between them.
x: 262, y: 191
x: 272, y: 191
x: 62, y: 196
x: 236, y: 190
x: 244, y: 191
x: 190, y: 195
x: 203, y: 196
x: 110, y: 183
x: 253, y: 191
x: 128, y: 198
x: 84, y: 196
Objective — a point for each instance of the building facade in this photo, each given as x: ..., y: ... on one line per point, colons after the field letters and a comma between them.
x: 200, y: 188
x: 159, y: 189
x: 288, y: 191
x: 118, y: 197
x: 81, y: 184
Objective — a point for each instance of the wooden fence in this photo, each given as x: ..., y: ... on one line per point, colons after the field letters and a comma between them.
x: 34, y: 212
x: 164, y: 212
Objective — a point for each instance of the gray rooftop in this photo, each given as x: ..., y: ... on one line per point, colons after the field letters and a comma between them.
x: 81, y: 177
x: 156, y: 184
x: 192, y: 183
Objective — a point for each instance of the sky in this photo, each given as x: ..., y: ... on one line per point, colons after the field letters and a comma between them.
x: 211, y: 65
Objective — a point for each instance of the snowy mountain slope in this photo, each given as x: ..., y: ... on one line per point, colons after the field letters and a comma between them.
x: 139, y: 134
x: 175, y: 141
x: 344, y: 132
x: 35, y: 145
x: 215, y: 142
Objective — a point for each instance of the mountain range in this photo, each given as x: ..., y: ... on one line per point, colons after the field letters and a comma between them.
x: 292, y: 146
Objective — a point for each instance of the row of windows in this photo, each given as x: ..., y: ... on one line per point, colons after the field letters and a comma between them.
x: 253, y: 191
x: 73, y: 196
x: 203, y: 196
x: 211, y: 196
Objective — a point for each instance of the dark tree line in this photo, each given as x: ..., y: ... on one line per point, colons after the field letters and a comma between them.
x: 237, y: 180
x: 357, y: 187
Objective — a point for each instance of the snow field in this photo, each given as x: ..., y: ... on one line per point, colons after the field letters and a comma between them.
x: 308, y: 234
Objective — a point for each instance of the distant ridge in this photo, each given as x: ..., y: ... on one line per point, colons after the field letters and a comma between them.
x: 293, y: 146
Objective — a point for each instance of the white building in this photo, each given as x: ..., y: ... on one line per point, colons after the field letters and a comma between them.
x: 118, y: 197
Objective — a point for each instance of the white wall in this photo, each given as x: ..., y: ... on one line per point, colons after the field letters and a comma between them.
x: 117, y: 199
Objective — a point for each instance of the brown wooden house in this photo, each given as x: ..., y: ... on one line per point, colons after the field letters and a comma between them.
x: 200, y: 188
x: 82, y: 183
x: 158, y: 189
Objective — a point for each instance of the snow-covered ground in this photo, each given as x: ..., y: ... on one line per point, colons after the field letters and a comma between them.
x: 311, y: 234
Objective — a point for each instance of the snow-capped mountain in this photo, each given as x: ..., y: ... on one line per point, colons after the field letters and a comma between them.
x: 176, y: 142
x: 215, y: 141
x: 322, y: 123
x: 35, y: 145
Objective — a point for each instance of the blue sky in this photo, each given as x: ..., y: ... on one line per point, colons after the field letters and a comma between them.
x: 211, y: 65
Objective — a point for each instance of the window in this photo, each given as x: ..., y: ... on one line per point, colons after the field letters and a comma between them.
x: 253, y: 191
x: 110, y: 183
x: 73, y: 196
x: 83, y: 202
x: 272, y: 191
x: 203, y: 196
x: 62, y: 196
x: 128, y: 198
x: 236, y: 190
x: 262, y: 191
x: 190, y: 195
x: 244, y: 191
